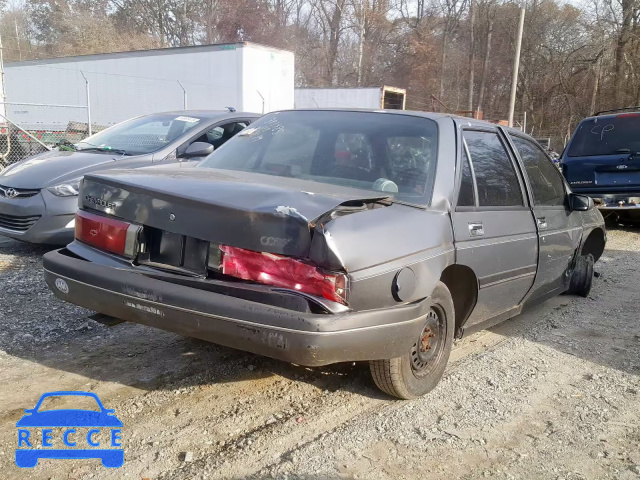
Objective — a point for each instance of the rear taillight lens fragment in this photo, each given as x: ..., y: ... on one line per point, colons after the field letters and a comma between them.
x: 106, y: 233
x: 285, y: 272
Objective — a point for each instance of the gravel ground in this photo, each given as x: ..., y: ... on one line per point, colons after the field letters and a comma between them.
x: 554, y: 393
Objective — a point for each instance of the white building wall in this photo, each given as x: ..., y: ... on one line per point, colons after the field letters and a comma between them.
x: 267, y: 73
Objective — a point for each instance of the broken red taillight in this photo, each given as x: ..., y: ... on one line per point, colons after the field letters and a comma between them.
x: 106, y: 233
x: 285, y: 272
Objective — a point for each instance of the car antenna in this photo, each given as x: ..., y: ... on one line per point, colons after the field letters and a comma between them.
x: 231, y: 109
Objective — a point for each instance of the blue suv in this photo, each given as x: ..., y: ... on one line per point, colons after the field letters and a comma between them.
x: 602, y: 160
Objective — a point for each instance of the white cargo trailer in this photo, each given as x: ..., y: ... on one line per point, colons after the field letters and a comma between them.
x: 369, y: 97
x: 46, y: 94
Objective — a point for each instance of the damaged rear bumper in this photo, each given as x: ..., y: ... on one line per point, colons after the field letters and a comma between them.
x: 309, y: 339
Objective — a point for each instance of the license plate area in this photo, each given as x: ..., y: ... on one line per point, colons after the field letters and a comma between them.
x: 174, y: 250
x: 618, y: 178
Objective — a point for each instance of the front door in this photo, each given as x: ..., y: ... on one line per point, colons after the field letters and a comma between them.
x: 559, y: 229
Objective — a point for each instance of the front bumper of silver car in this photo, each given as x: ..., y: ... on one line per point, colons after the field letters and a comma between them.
x: 40, y: 218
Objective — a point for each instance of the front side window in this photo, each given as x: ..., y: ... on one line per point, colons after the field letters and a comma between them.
x: 546, y: 184
x: 496, y: 178
x: 142, y: 135
x: 395, y: 154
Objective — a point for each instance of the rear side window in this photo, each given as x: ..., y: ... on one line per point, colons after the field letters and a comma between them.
x: 496, y: 178
x: 465, y: 196
x: 607, y: 136
x: 546, y: 184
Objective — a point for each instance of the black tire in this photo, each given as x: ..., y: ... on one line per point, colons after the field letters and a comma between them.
x: 411, y: 375
x: 582, y: 276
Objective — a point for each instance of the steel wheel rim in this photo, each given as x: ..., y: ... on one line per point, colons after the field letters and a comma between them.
x: 427, y: 350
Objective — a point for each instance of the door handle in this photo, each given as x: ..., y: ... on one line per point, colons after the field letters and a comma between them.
x: 476, y: 229
x: 542, y: 222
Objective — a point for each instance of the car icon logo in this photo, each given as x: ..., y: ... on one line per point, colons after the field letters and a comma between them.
x: 69, y: 433
x: 10, y: 193
x: 93, y: 232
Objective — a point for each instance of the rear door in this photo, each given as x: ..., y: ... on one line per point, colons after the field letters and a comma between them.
x: 604, y: 155
x: 494, y: 230
x: 559, y: 229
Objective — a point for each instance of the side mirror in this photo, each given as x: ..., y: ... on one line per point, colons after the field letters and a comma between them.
x: 580, y: 203
x: 198, y: 149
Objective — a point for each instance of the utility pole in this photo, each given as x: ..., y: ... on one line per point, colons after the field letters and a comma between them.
x: 596, y: 81
x: 361, y: 43
x: 472, y: 48
x: 516, y: 64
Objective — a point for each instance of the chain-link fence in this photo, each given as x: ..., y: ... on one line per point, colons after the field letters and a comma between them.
x: 27, y: 129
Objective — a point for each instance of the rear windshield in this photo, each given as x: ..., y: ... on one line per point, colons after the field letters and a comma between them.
x: 395, y: 154
x: 607, y: 136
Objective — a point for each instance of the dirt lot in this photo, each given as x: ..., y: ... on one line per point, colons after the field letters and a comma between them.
x: 554, y: 393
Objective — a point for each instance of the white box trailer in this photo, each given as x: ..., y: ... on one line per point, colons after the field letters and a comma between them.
x: 368, y: 97
x: 45, y: 94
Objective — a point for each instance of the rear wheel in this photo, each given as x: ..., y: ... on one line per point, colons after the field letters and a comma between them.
x: 419, y: 370
x: 582, y: 276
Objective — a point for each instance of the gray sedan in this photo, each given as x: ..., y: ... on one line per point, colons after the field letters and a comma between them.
x: 39, y: 195
x: 329, y: 236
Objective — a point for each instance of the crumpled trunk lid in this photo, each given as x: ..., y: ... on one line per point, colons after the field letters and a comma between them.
x: 253, y: 211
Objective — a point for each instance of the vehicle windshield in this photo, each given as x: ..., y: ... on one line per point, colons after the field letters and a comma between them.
x: 390, y: 153
x: 607, y: 136
x: 140, y: 135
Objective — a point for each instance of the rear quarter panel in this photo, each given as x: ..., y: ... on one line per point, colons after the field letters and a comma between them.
x: 375, y: 245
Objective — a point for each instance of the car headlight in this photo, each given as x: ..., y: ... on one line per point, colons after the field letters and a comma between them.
x: 67, y: 189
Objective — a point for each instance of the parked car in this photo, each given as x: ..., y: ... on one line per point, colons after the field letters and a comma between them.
x: 326, y: 236
x: 602, y: 160
x: 39, y: 195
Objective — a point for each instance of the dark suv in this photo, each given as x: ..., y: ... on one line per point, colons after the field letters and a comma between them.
x: 603, y: 160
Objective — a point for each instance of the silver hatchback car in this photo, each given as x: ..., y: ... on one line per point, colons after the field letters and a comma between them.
x: 39, y: 195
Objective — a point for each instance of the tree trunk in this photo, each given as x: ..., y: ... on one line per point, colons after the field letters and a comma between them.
x: 335, y: 23
x: 623, y: 39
